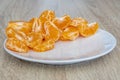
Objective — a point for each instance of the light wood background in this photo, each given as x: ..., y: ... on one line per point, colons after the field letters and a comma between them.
x: 106, y: 12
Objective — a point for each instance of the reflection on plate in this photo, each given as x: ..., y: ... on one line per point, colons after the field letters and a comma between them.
x: 68, y: 52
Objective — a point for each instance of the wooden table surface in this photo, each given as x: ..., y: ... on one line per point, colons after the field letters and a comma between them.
x: 106, y: 12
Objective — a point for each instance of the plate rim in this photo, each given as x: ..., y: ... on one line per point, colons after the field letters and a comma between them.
x: 58, y: 62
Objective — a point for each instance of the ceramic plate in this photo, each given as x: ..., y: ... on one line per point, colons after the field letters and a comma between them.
x: 68, y: 52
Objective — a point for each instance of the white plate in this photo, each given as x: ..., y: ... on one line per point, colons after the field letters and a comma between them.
x: 68, y: 52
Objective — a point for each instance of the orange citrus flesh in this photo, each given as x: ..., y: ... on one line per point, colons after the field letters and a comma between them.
x: 78, y: 21
x: 82, y: 28
x: 11, y: 33
x: 33, y: 39
x: 52, y: 32
x: 62, y: 22
x: 20, y: 26
x: 45, y: 46
x: 40, y: 34
x: 47, y: 15
x: 37, y: 26
x: 16, y: 45
x: 90, y: 30
x: 18, y: 30
x: 70, y: 33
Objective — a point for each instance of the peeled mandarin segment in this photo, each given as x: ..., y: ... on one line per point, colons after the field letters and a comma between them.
x: 21, y: 26
x: 34, y: 39
x: 62, y: 22
x: 16, y: 45
x: 34, y: 36
x: 34, y: 43
x: 47, y: 15
x: 26, y: 28
x: 44, y: 46
x: 11, y: 33
x: 52, y: 32
x: 19, y: 29
x: 70, y: 33
x: 90, y: 30
x: 82, y: 28
x: 78, y: 21
x: 37, y: 26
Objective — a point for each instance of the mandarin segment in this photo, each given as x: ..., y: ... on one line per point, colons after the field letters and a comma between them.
x: 47, y: 15
x: 18, y: 29
x: 11, y: 33
x: 52, y: 32
x: 70, y: 33
x: 78, y: 21
x: 16, y: 45
x: 45, y: 46
x: 82, y: 28
x: 37, y: 26
x: 90, y: 30
x: 33, y: 39
x: 20, y: 26
x: 62, y: 22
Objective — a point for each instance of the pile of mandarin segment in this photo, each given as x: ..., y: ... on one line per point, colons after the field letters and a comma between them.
x: 40, y: 34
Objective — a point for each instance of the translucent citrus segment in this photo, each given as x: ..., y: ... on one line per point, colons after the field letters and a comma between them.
x: 52, y: 32
x: 44, y: 46
x: 34, y: 39
x: 70, y: 33
x: 82, y: 28
x: 47, y: 15
x: 78, y: 21
x: 20, y: 26
x: 16, y: 45
x: 90, y: 30
x: 18, y: 29
x: 62, y: 22
x: 11, y: 33
x: 37, y: 26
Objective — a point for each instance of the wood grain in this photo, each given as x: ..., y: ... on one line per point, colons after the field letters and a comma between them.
x: 106, y: 12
